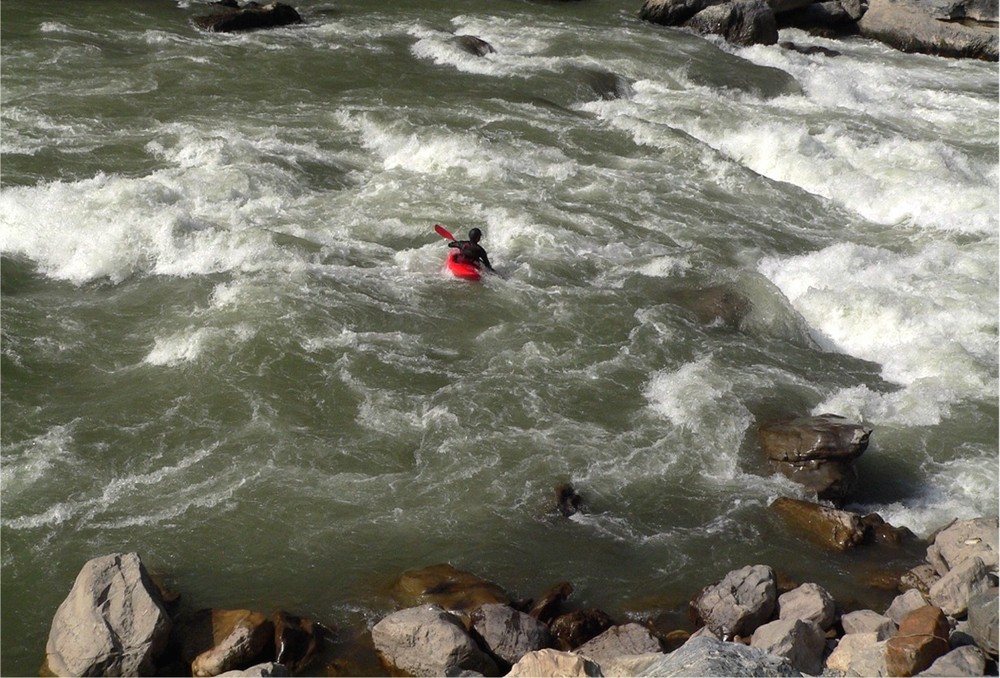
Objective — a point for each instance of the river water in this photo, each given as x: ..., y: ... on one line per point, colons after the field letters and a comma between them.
x: 229, y: 345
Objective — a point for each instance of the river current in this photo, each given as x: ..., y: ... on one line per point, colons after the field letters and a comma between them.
x: 229, y: 344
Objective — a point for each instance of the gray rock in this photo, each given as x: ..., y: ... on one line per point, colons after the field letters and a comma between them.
x: 112, y: 623
x: 858, y: 654
x: 952, y: 592
x: 963, y: 661
x: 906, y: 25
x: 268, y: 670
x: 428, y: 641
x: 741, y: 22
x: 800, y: 642
x: 705, y: 656
x: 626, y: 639
x: 904, y: 604
x: 509, y: 634
x: 868, y: 621
x: 962, y: 540
x: 672, y: 12
x: 921, y: 577
x: 625, y: 666
x: 739, y: 603
x: 983, y: 625
x: 808, y: 602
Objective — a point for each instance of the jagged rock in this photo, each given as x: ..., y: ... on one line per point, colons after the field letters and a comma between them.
x: 251, y: 16
x: 268, y: 670
x: 546, y: 608
x: 296, y: 640
x: 921, y: 577
x: 627, y: 639
x: 625, y: 666
x: 921, y: 639
x: 507, y: 633
x: 964, y: 539
x: 904, y: 604
x: 858, y: 654
x: 739, y: 603
x: 906, y: 25
x: 818, y: 452
x: 710, y: 657
x: 573, y: 629
x: 112, y: 623
x: 428, y: 641
x: 741, y: 22
x: 962, y: 661
x: 833, y: 528
x: 672, y: 12
x: 952, y: 592
x: 983, y: 627
x: 800, y: 642
x: 808, y: 602
x: 473, y: 45
x: 213, y: 641
x: 549, y: 662
x: 868, y: 621
x: 448, y: 587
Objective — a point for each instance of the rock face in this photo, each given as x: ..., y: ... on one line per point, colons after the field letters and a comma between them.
x: 808, y: 602
x: 800, y: 642
x: 553, y: 663
x: 818, y: 452
x: 707, y: 656
x: 908, y: 26
x: 112, y: 623
x: 739, y: 603
x: 962, y: 540
x: 507, y: 633
x: 251, y: 16
x: 428, y: 641
x: 983, y: 625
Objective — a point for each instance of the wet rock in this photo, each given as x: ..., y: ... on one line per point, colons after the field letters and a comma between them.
x: 868, y: 621
x: 251, y: 16
x: 296, y: 640
x: 922, y: 638
x: 922, y: 578
x: 858, y: 654
x: 808, y: 602
x: 800, y: 642
x: 904, y: 604
x: 508, y: 633
x: 112, y: 623
x: 428, y: 641
x: 626, y: 639
x: 818, y: 452
x: 607, y: 85
x: 962, y: 540
x: 573, y: 629
x: 213, y: 641
x: 832, y: 528
x: 741, y: 22
x: 473, y: 45
x: 738, y: 603
x: 546, y: 608
x: 548, y: 662
x: 962, y: 661
x: 448, y: 587
x: 983, y: 626
x: 707, y: 656
x: 716, y: 305
x: 881, y: 532
x: 810, y: 49
x: 567, y: 500
x: 268, y: 670
x: 952, y: 592
x: 671, y: 12
x: 910, y: 26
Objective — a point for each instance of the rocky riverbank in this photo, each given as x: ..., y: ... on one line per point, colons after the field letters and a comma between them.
x: 117, y: 620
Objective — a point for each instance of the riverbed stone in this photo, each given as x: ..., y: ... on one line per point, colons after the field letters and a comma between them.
x: 954, y: 590
x: 800, y: 642
x: 822, y: 525
x: 967, y: 660
x: 112, y: 623
x: 447, y: 586
x: 549, y: 662
x: 738, y: 603
x: 547, y: 606
x: 429, y: 641
x: 707, y: 656
x: 508, y: 633
x: 808, y: 602
x: 868, y: 621
x: 921, y: 639
x: 624, y: 639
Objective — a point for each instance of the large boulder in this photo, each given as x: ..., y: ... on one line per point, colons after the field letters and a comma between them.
x: 429, y: 641
x: 800, y: 642
x: 112, y: 623
x: 868, y: 621
x: 858, y: 654
x: 808, y: 602
x: 741, y: 22
x: 983, y: 625
x: 626, y: 639
x: 251, y: 16
x: 818, y: 452
x: 832, y: 528
x: 921, y: 639
x: 954, y: 590
x: 962, y: 540
x: 508, y: 633
x: 573, y: 629
x: 710, y: 657
x: 738, y: 603
x: 967, y: 660
x: 448, y: 587
x: 910, y: 26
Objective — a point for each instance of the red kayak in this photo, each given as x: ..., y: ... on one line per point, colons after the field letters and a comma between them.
x: 462, y: 270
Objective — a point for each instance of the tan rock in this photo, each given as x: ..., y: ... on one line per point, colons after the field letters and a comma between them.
x: 448, y: 587
x: 548, y: 662
x: 832, y: 528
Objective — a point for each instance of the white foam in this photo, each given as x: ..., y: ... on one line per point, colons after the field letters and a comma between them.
x: 187, y: 346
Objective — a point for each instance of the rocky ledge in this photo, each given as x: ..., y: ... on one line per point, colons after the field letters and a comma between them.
x: 117, y: 621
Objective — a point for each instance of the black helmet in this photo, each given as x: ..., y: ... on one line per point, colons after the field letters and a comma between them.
x: 475, y: 234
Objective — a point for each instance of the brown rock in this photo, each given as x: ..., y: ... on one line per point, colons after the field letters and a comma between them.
x: 840, y: 530
x: 447, y: 586
x: 296, y: 640
x: 547, y: 607
x: 921, y: 639
x: 214, y: 641
x: 572, y: 630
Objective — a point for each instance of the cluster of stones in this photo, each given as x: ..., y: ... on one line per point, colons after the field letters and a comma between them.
x: 115, y: 621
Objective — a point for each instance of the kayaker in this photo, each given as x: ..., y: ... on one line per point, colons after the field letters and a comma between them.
x: 471, y: 252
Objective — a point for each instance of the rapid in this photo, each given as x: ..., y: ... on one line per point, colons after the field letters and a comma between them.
x: 229, y: 344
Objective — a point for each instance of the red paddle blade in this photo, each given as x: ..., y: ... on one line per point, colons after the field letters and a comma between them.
x: 442, y: 232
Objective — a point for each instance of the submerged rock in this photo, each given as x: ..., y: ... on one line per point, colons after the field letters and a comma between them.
x: 251, y: 16
x: 833, y: 528
x: 447, y: 586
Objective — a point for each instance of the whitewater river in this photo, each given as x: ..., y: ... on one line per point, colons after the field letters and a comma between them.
x: 229, y: 345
